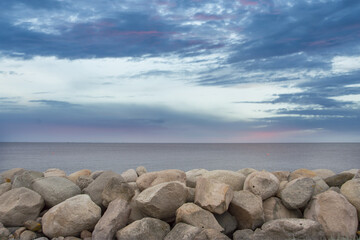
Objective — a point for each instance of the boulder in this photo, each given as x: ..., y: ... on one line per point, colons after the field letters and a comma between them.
x: 55, y: 190
x: 320, y: 185
x: 146, y: 228
x: 19, y: 205
x: 274, y: 209
x: 95, y: 174
x: 84, y: 181
x: 227, y: 221
x: 71, y: 217
x: 153, y: 178
x: 290, y: 228
x: 263, y: 183
x: 324, y: 173
x: 115, y: 218
x: 130, y: 175
x: 282, y: 185
x: 5, y: 187
x: 4, y: 233
x: 74, y: 176
x: 183, y: 231
x: 352, y: 171
x: 135, y: 213
x: 246, y: 171
x: 213, y: 196
x: 192, y: 175
x: 54, y: 172
x: 8, y: 176
x: 302, y: 172
x: 26, y: 178
x: 194, y: 215
x: 339, y: 179
x: 190, y: 194
x: 244, y: 234
x: 247, y: 208
x: 140, y: 170
x: 297, y: 193
x: 211, y: 234
x: 336, y: 215
x: 116, y: 188
x: 18, y: 232
x: 85, y: 234
x: 351, y: 190
x: 282, y: 175
x: 162, y: 200
x: 95, y: 189
x: 33, y: 225
x: 27, y: 235
x: 234, y: 179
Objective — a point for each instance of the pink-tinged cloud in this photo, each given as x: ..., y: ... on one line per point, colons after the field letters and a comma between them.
x: 206, y: 17
x: 248, y: 3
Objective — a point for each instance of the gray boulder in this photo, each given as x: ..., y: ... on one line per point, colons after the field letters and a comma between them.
x: 116, y: 188
x: 192, y: 175
x: 244, y: 234
x: 183, y: 231
x: 339, y: 179
x: 234, y: 179
x: 130, y: 175
x: 274, y: 209
x: 153, y: 178
x: 5, y: 187
x: 84, y: 181
x: 95, y: 174
x: 227, y: 221
x: 320, y: 185
x: 140, y: 170
x: 351, y: 190
x: 263, y: 183
x: 27, y: 235
x: 26, y: 178
x: 297, y: 193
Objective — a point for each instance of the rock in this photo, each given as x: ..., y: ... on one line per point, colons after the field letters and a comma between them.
x: 263, y: 183
x: 213, y: 196
x: 192, y: 175
x: 85, y: 234
x: 211, y: 234
x: 54, y: 172
x: 320, y: 185
x: 4, y: 233
x: 27, y: 235
x: 71, y: 217
x: 144, y: 229
x: 302, y: 172
x: 333, y: 211
x: 74, y: 176
x: 153, y: 178
x: 246, y: 171
x: 32, y: 225
x: 26, y: 178
x: 324, y: 173
x: 352, y: 171
x: 140, y: 170
x: 227, y: 221
x: 234, y: 179
x: 245, y: 234
x: 339, y: 179
x: 351, y: 190
x: 5, y: 187
x: 84, y: 181
x: 130, y: 175
x: 282, y: 185
x: 19, y: 205
x: 55, y: 190
x: 290, y: 228
x: 297, y: 193
x: 247, y: 208
x: 282, y: 175
x: 135, y: 213
x: 72, y: 238
x: 9, y: 175
x: 115, y: 218
x: 190, y: 194
x: 162, y: 200
x: 194, y: 215
x: 95, y: 189
x: 95, y: 174
x: 274, y: 209
x: 183, y: 231
x: 116, y: 188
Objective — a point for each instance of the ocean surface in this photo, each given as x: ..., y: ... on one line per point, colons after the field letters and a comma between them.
x: 120, y: 156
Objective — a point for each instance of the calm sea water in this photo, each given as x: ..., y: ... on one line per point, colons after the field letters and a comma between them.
x: 120, y: 157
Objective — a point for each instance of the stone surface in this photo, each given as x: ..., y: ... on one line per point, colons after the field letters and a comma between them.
x: 324, y: 173
x: 247, y: 208
x: 26, y: 178
x: 192, y: 175
x: 291, y: 228
x: 115, y: 218
x: 95, y: 174
x: 32, y: 225
x: 140, y: 170
x: 282, y: 175
x: 18, y: 232
x: 144, y: 229
x: 351, y: 190
x: 55, y: 190
x: 74, y: 176
x: 5, y: 187
x: 274, y: 209
x: 85, y: 234
x: 135, y: 213
x: 4, y: 233
x: 245, y: 234
x: 130, y: 175
x: 84, y: 181
x: 27, y: 235
x: 190, y: 194
x: 213, y: 196
x: 8, y: 176
x: 95, y: 189
x: 116, y: 188
x: 297, y: 193
x: 263, y: 183
x: 71, y: 217
x: 246, y: 171
x: 162, y: 200
x: 352, y: 171
x: 320, y: 185
x: 234, y: 179
x: 333, y: 211
x: 19, y: 205
x: 54, y: 172
x: 153, y: 178
x: 227, y: 221
x: 194, y: 215
x: 302, y: 172
x: 211, y: 234
x: 183, y: 231
x: 339, y: 179
x: 282, y: 185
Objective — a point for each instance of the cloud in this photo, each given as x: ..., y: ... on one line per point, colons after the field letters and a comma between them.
x: 54, y: 103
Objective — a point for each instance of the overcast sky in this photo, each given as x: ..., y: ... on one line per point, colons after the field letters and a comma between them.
x: 180, y: 70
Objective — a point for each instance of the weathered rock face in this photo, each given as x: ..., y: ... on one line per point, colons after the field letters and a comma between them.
x: 55, y: 190
x: 192, y: 175
x: 351, y: 190
x: 190, y: 194
x: 301, y: 173
x: 115, y: 218
x: 130, y: 175
x: 74, y: 176
x: 211, y: 234
x: 141, y: 170
x: 54, y: 172
x: 213, y: 196
x: 162, y: 200
x: 194, y: 215
x: 297, y: 193
x: 274, y: 209
x: 144, y: 229
x: 8, y: 176
x: 263, y: 183
x: 4, y: 188
x: 95, y: 174
x: 183, y: 231
x: 19, y: 205
x: 282, y: 175
x: 339, y: 179
x: 84, y: 181
x: 227, y: 221
x: 245, y: 234
x: 4, y: 233
x: 71, y: 217
x: 116, y: 188
x: 135, y: 213
x: 26, y: 178
x: 234, y: 179
x: 153, y: 178
x: 95, y: 189
x: 291, y: 228
x: 320, y: 185
x: 324, y: 173
x: 247, y: 208
x: 337, y: 216
x: 246, y: 171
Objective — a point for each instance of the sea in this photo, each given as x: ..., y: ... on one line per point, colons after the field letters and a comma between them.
x: 119, y: 157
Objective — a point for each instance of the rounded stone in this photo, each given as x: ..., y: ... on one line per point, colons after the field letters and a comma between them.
x: 264, y: 184
x: 297, y: 193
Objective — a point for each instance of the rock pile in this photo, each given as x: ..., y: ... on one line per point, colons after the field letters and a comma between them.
x: 177, y: 205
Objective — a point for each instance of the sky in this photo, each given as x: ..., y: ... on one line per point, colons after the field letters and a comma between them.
x: 180, y: 71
